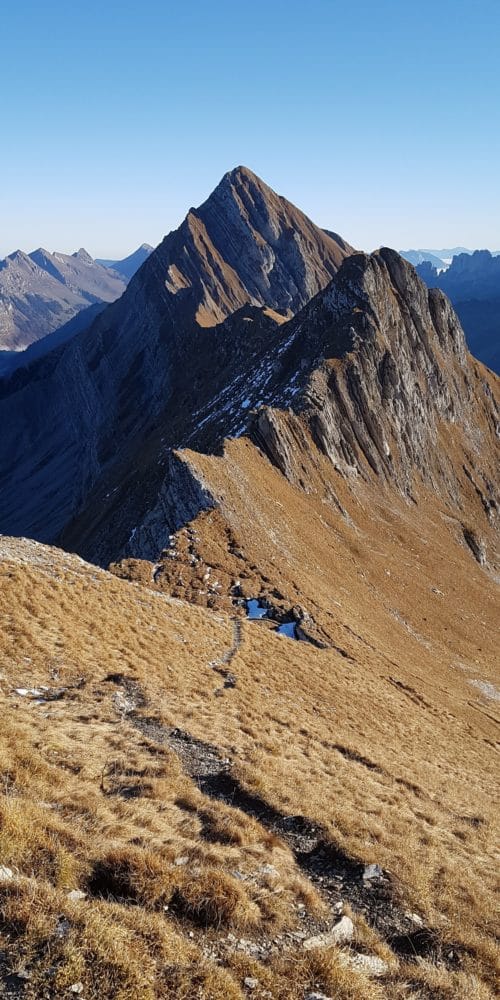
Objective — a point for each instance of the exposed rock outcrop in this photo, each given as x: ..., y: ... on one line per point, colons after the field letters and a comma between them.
x: 396, y: 384
x: 180, y: 498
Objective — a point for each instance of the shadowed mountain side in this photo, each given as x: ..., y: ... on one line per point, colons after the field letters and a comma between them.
x: 10, y: 361
x: 481, y: 323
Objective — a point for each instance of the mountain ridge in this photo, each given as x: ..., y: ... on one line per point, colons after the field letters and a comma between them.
x: 373, y: 375
x: 127, y: 266
x: 112, y: 381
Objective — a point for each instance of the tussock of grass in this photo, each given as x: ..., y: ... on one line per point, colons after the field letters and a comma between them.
x: 214, y: 899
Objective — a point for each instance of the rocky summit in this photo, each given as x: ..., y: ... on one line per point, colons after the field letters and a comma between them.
x: 84, y: 405
x: 249, y: 689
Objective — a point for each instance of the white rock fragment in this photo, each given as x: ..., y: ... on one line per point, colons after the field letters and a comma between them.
x: 76, y: 988
x: 341, y: 933
x: 268, y: 870
x: 31, y: 692
x: 372, y: 872
x: 370, y: 965
x: 6, y: 874
x: 76, y: 895
x: 250, y: 983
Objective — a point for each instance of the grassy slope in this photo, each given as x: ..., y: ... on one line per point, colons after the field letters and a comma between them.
x: 390, y: 750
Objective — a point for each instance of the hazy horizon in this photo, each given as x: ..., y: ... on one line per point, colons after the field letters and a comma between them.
x: 127, y: 251
x: 103, y: 255
x: 377, y: 121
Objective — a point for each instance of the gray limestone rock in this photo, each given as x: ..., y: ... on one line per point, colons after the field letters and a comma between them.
x: 341, y: 933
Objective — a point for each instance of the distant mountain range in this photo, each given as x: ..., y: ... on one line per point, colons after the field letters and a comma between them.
x: 472, y: 282
x: 416, y: 257
x: 42, y: 293
x: 438, y: 258
x: 129, y: 265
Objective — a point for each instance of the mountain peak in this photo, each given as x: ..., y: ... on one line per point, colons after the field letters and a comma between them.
x: 243, y: 183
x: 83, y: 255
x: 41, y: 257
x: 244, y: 246
x: 242, y: 174
x: 18, y: 256
x: 247, y: 244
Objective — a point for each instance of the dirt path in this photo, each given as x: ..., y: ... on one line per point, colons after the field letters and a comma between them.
x: 221, y: 664
x: 338, y: 877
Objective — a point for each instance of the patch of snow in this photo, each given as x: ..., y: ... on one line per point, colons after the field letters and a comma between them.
x: 487, y: 689
x: 372, y: 872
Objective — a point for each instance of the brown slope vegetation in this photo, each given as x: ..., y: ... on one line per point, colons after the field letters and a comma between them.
x: 211, y: 824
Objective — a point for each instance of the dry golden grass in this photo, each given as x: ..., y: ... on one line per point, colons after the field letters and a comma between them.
x: 381, y: 739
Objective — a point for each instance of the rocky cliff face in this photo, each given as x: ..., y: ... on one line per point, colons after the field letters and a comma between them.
x: 83, y: 413
x: 246, y: 244
x: 41, y: 291
x: 395, y: 379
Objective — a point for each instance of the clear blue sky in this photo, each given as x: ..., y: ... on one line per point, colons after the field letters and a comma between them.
x: 380, y: 118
